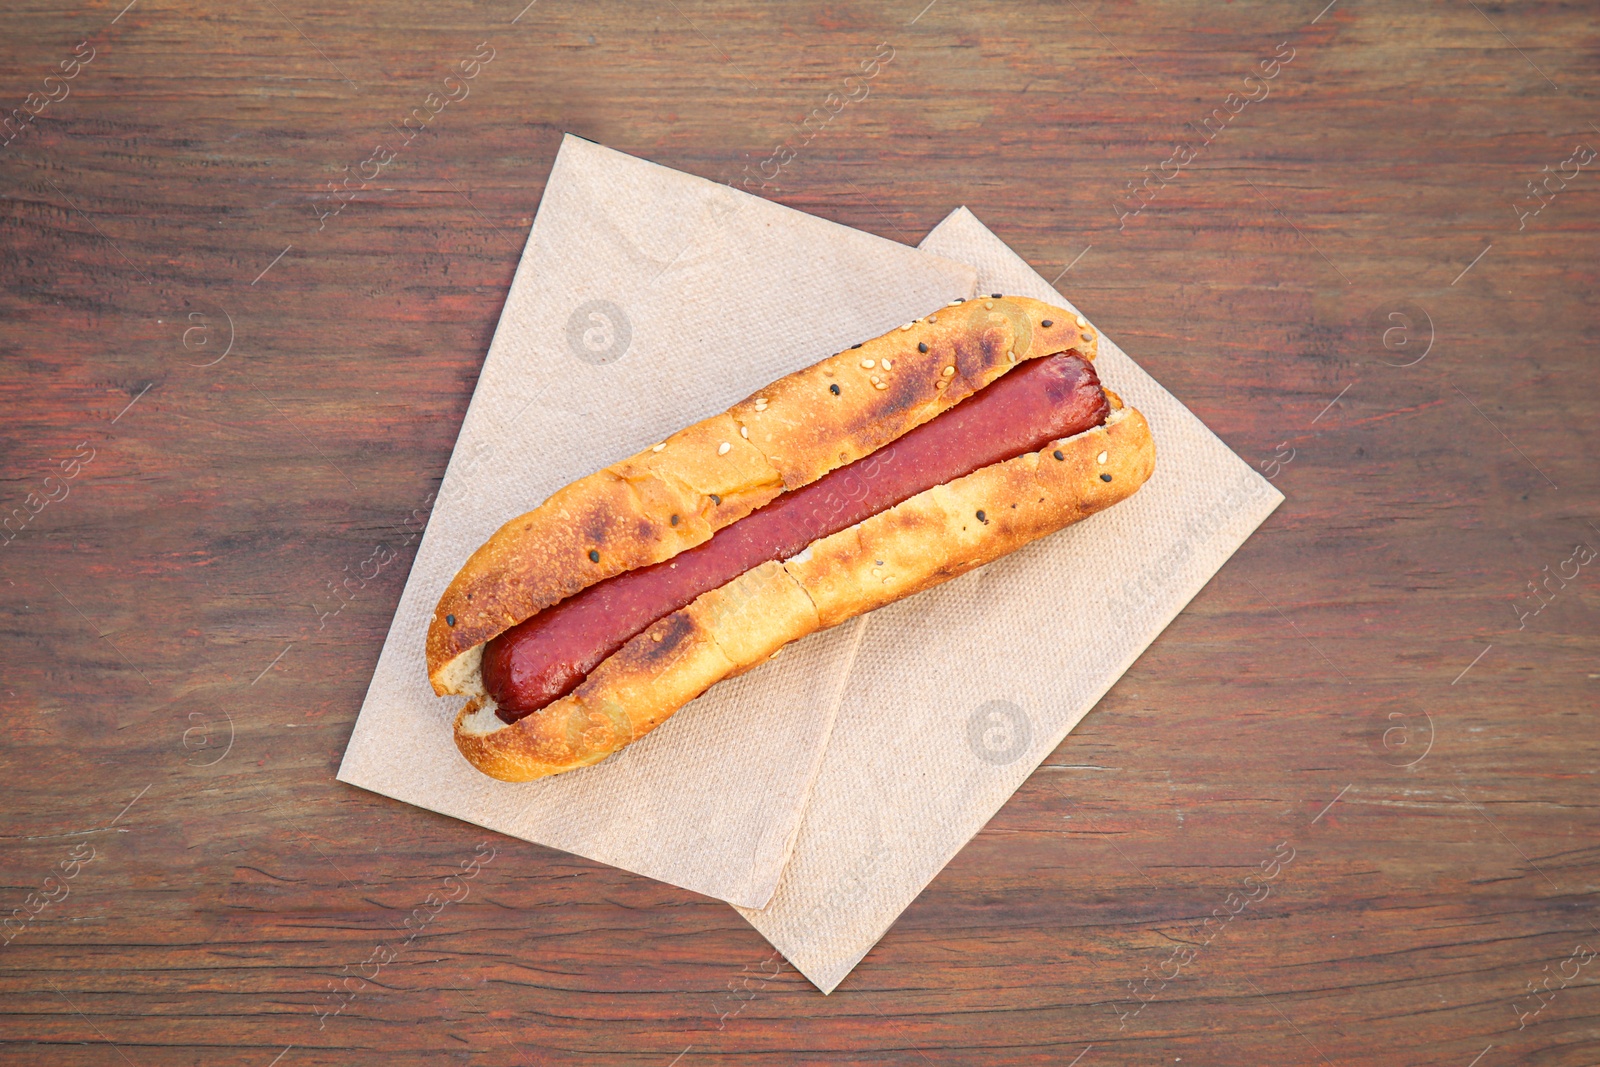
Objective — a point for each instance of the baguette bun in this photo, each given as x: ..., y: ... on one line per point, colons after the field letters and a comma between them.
x: 653, y: 505
x: 677, y: 494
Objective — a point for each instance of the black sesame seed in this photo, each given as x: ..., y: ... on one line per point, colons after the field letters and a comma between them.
x: 1059, y: 454
x: 594, y: 557
x: 982, y: 517
x: 449, y: 620
x: 1047, y: 324
x: 922, y: 348
x: 834, y: 388
x: 855, y: 346
x: 674, y: 520
x: 715, y: 499
x: 995, y: 295
x: 1105, y: 477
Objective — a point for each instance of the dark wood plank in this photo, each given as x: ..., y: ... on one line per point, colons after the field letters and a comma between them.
x: 161, y: 634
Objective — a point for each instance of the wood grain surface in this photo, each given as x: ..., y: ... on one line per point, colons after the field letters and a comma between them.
x: 228, y: 383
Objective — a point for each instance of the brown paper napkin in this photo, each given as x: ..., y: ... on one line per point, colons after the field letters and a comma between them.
x: 645, y: 300
x: 958, y: 693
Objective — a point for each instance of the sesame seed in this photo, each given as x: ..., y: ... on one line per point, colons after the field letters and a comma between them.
x: 885, y: 364
x: 744, y: 431
x: 877, y: 573
x: 658, y: 448
x: 449, y: 620
x: 948, y: 371
x: 953, y: 303
x: 1087, y: 336
x: 1101, y: 458
x: 655, y: 637
x: 1047, y: 323
x: 873, y: 378
x: 594, y: 557
x: 880, y: 385
x: 834, y: 388
x: 995, y: 295
x: 722, y: 449
x: 1082, y: 321
x: 853, y: 347
x: 715, y: 499
x: 933, y: 318
x: 1011, y: 357
x: 674, y: 520
x: 869, y: 363
x: 908, y: 326
x: 988, y: 304
x: 982, y: 517
x: 922, y: 346
x: 941, y: 383
x: 1059, y: 454
x: 1105, y: 477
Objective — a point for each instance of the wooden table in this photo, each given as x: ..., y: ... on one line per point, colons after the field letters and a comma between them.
x: 223, y: 394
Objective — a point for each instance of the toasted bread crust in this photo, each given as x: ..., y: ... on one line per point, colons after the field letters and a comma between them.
x: 921, y: 542
x: 717, y: 471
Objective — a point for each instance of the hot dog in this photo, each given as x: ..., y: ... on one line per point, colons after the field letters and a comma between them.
x: 548, y: 655
x: 879, y: 471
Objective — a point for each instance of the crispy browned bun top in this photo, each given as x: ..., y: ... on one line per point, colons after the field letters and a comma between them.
x: 676, y: 494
